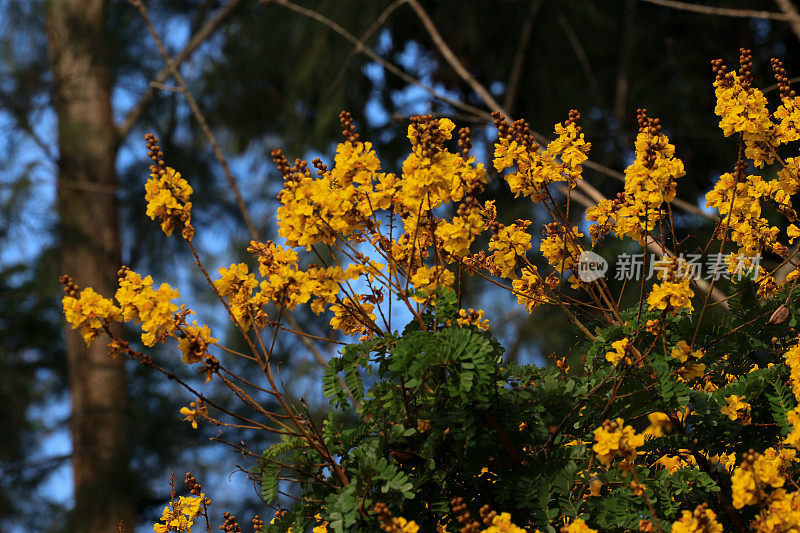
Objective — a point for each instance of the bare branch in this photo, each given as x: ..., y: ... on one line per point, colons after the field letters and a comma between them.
x: 201, y: 120
x: 358, y: 47
x: 791, y: 14
x: 194, y: 43
x: 391, y: 67
x: 512, y: 86
x: 721, y: 11
x: 580, y: 53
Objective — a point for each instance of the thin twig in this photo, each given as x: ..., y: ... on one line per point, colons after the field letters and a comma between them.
x: 198, y: 115
x: 580, y: 53
x: 790, y: 12
x: 512, y: 86
x: 194, y: 43
x: 721, y: 11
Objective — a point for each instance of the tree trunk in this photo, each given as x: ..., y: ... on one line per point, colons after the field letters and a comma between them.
x: 87, y: 206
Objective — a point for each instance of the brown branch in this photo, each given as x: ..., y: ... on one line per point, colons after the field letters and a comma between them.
x: 391, y: 67
x: 359, y: 47
x: 194, y: 43
x: 453, y: 61
x: 512, y: 86
x: 198, y: 115
x: 623, y: 83
x: 580, y: 53
x: 721, y: 11
x: 791, y: 14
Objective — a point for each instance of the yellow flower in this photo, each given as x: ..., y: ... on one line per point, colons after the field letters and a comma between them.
x: 614, y: 439
x: 660, y: 424
x: 682, y: 351
x: 404, y: 526
x: 579, y: 526
x: 193, y: 412
x: 620, y: 352
x: 90, y: 312
x: 792, y: 232
x: 737, y: 408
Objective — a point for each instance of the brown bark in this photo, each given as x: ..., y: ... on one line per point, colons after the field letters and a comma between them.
x: 77, y: 45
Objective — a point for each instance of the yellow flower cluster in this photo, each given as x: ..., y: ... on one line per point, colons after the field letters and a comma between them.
x: 457, y: 234
x: 352, y: 315
x: 561, y: 248
x: 702, y: 520
x: 429, y: 279
x: 472, y: 317
x: 150, y: 307
x: 179, y: 516
x: 671, y: 296
x: 738, y: 198
x: 236, y: 285
x: 530, y: 288
x: 757, y: 471
x: 194, y: 343
x: 432, y: 175
x: 536, y: 168
x: 743, y: 109
x: 649, y: 183
x: 614, y: 439
x: 338, y: 201
x: 508, y: 244
x: 781, y: 512
x: 90, y: 313
x: 285, y: 284
x: 167, y: 195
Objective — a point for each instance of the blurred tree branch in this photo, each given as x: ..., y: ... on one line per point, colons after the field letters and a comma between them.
x: 721, y: 11
x: 194, y: 43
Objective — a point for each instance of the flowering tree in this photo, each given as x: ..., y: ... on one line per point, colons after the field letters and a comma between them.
x: 669, y: 416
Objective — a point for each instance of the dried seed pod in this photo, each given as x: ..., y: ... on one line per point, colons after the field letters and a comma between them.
x: 780, y: 315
